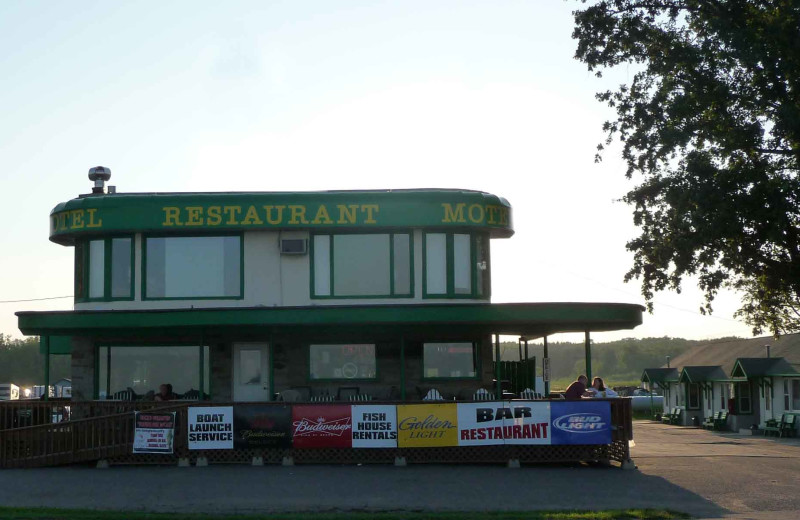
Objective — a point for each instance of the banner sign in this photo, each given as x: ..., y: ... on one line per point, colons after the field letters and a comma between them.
x: 153, y: 432
x: 507, y: 422
x: 211, y: 428
x: 259, y: 426
x: 581, y: 422
x: 322, y: 426
x: 374, y: 426
x: 425, y: 425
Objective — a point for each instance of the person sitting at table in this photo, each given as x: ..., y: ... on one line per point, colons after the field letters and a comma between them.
x: 578, y: 388
x: 599, y: 389
x: 164, y: 393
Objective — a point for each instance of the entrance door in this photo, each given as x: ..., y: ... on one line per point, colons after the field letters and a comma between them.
x: 251, y: 372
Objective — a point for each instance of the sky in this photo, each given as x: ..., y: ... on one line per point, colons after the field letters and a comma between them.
x: 295, y: 96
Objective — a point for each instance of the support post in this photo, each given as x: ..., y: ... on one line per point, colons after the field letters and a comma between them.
x: 403, y: 369
x: 499, y: 386
x: 588, y: 348
x: 519, y: 344
x: 46, y: 340
x: 546, y: 383
x: 202, y: 385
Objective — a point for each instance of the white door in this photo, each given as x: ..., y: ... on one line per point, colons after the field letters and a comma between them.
x: 251, y: 372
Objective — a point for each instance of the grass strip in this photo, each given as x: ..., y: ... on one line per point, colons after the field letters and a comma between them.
x: 7, y: 513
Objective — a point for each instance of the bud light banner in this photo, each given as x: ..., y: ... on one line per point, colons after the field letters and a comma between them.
x: 580, y: 422
x: 322, y: 426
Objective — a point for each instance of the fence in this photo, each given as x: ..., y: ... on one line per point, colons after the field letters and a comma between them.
x: 111, y: 437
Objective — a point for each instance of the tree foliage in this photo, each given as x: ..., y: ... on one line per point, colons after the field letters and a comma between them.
x: 21, y: 362
x: 710, y: 130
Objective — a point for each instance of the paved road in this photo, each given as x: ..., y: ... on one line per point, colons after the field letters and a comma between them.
x: 754, y: 477
x: 703, y: 473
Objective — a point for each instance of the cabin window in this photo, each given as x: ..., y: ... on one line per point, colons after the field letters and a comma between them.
x: 694, y: 396
x: 104, y: 269
x: 743, y: 399
x: 193, y: 267
x: 791, y: 394
x: 449, y: 360
x: 136, y: 372
x: 362, y: 265
x: 456, y: 265
x: 342, y: 362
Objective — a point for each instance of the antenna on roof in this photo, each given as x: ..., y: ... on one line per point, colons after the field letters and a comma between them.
x: 667, y: 361
x: 99, y: 175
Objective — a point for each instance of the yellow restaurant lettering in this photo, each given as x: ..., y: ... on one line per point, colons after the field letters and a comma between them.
x: 76, y: 219
x: 475, y: 213
x: 292, y: 214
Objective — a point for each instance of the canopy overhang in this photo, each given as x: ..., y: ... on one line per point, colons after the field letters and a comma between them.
x: 530, y: 320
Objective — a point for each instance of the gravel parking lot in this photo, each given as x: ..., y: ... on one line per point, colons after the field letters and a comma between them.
x: 708, y: 475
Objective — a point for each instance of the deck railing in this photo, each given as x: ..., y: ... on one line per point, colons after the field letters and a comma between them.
x: 107, y: 431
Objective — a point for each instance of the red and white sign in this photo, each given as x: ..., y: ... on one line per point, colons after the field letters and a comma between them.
x: 503, y: 422
x: 325, y: 426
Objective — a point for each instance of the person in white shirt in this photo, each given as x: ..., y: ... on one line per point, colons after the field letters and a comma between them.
x: 600, y: 389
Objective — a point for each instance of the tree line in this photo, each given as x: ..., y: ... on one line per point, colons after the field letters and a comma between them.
x: 621, y: 360
x: 21, y: 362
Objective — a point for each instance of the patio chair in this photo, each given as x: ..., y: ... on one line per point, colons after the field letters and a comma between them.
x: 290, y: 396
x: 360, y: 397
x: 433, y: 395
x: 483, y: 395
x: 529, y: 394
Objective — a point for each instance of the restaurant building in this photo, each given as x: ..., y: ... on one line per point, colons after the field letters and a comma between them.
x: 296, y: 297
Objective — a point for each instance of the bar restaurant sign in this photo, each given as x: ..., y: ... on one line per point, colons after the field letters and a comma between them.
x: 400, y: 426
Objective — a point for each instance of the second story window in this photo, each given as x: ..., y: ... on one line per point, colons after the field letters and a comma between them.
x: 193, y: 267
x: 456, y: 265
x: 362, y: 265
x: 104, y: 269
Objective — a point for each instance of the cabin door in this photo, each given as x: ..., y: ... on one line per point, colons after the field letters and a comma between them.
x: 251, y: 372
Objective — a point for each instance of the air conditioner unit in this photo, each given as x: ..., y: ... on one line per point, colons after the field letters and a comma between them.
x: 294, y: 246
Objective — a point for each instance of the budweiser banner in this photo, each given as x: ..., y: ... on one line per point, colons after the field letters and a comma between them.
x: 260, y: 426
x: 211, y: 428
x: 424, y: 425
x: 322, y: 426
x: 153, y: 432
x: 374, y: 426
x: 503, y: 422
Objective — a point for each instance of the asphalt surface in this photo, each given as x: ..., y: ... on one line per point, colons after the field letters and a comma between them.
x: 705, y: 474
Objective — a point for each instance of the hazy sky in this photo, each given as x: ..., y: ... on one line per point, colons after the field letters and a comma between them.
x: 259, y: 95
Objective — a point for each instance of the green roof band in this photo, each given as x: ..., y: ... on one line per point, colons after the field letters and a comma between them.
x: 183, y: 213
x: 529, y: 319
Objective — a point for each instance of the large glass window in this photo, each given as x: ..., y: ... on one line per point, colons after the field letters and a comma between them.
x: 194, y: 267
x: 136, y: 372
x: 357, y: 265
x: 795, y: 394
x: 456, y: 265
x: 342, y: 361
x: 449, y: 360
x: 106, y: 267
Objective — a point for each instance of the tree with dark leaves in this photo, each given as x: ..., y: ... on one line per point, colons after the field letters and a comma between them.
x: 710, y: 131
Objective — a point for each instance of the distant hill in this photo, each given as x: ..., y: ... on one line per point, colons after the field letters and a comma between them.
x: 616, y: 361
